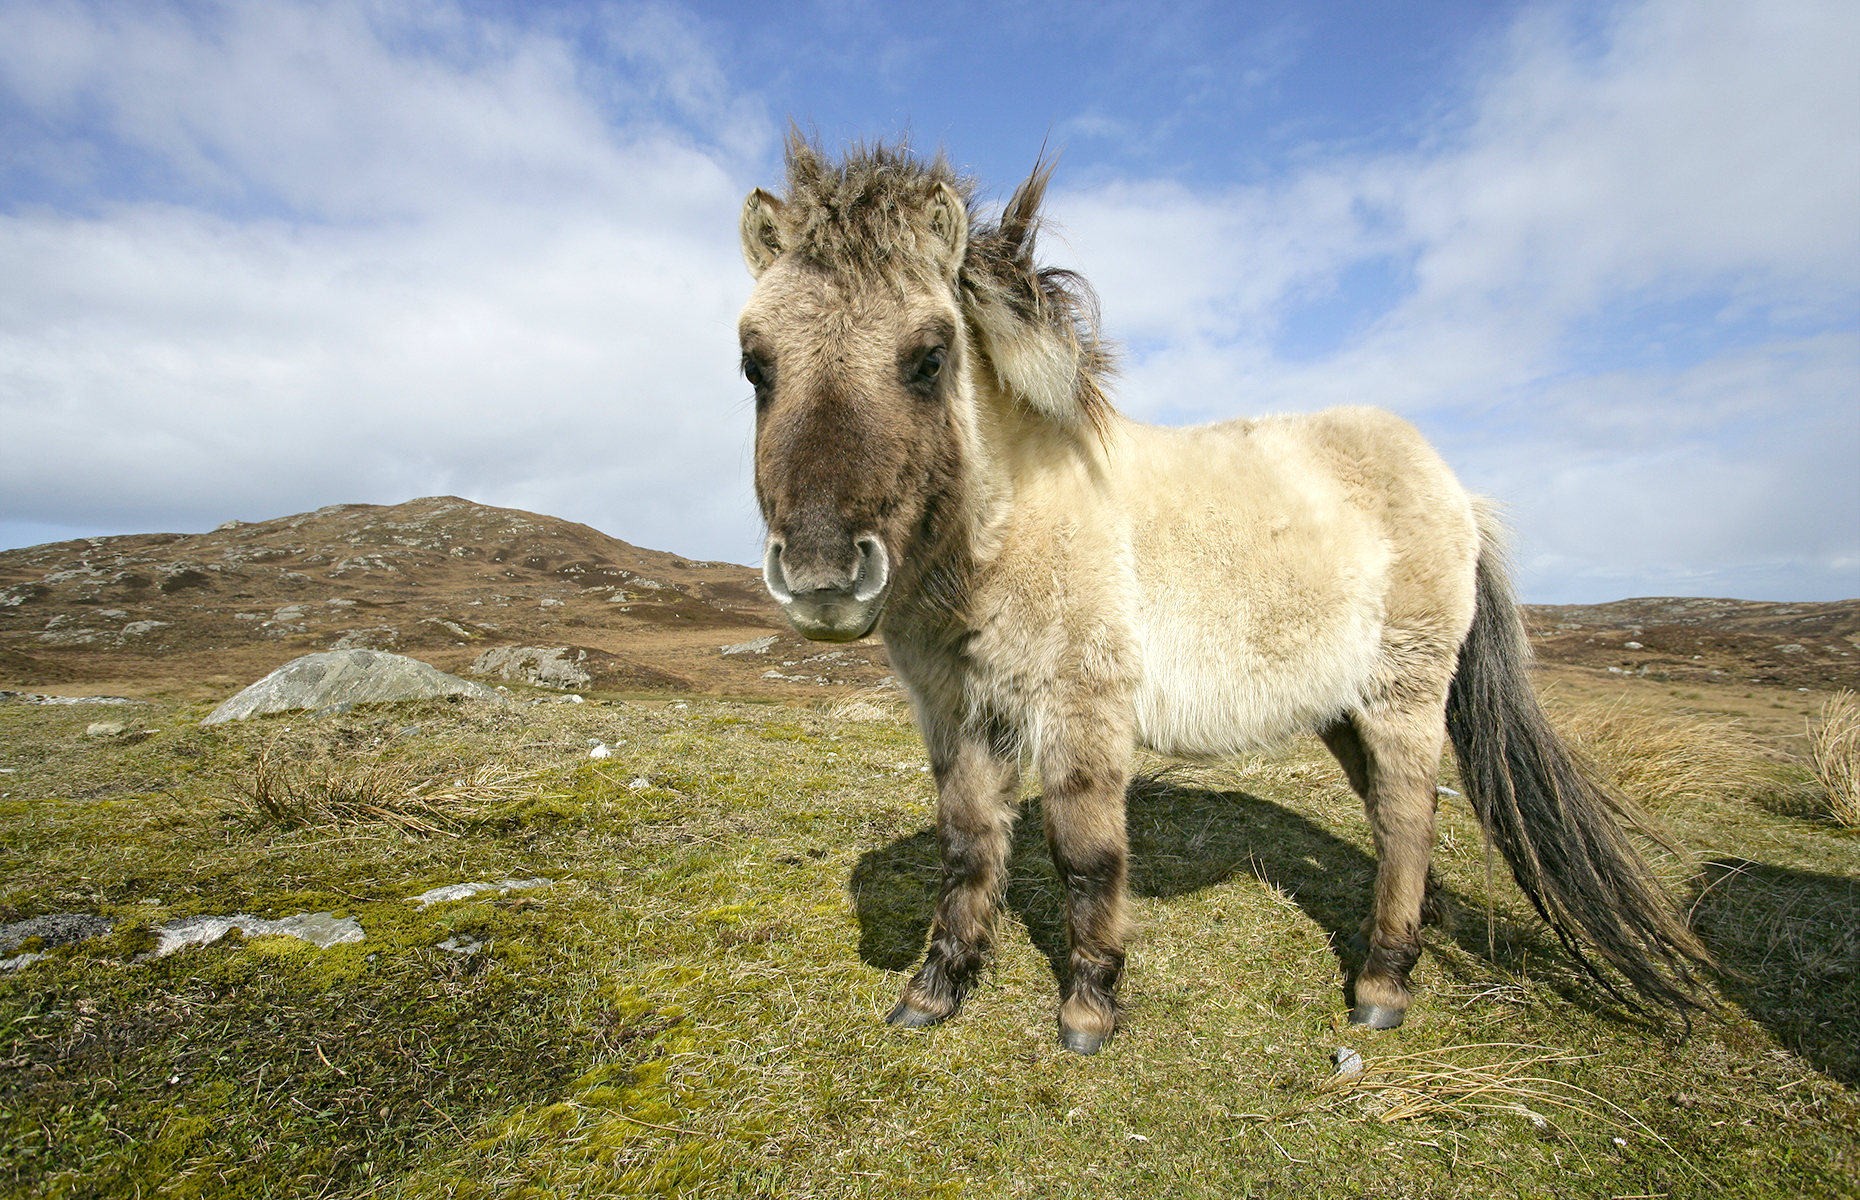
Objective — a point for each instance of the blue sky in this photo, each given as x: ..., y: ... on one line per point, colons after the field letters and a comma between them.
x: 256, y: 258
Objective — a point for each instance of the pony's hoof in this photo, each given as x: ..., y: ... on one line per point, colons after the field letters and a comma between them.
x: 1377, y: 1016
x: 908, y: 1016
x: 1081, y: 1042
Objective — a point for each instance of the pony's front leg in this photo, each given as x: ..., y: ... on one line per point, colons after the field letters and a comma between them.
x: 978, y: 780
x: 1083, y: 786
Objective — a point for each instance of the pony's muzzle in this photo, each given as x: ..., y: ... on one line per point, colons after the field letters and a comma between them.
x: 830, y: 605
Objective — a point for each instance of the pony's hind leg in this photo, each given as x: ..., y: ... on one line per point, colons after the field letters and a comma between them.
x: 978, y: 778
x: 1392, y: 759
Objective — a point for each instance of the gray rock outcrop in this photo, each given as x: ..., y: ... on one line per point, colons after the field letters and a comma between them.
x: 464, y: 891
x: 558, y: 667
x: 340, y: 678
x: 56, y: 929
x: 321, y: 930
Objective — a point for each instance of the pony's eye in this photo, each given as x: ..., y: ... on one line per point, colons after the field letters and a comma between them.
x: 932, y: 364
x: 752, y: 371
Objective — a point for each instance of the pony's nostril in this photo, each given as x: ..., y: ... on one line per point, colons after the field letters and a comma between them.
x: 874, y: 569
x: 772, y: 576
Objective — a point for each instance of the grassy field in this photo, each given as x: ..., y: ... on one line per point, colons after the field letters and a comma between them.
x: 692, y: 1005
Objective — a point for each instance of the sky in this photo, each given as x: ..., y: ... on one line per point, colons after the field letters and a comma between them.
x: 261, y: 257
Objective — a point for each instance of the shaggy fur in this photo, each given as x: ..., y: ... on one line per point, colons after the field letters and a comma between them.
x: 936, y: 460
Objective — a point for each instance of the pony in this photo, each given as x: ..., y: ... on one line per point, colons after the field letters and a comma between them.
x: 937, y: 460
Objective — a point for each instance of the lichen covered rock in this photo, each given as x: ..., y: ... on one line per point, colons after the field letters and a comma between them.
x: 344, y: 678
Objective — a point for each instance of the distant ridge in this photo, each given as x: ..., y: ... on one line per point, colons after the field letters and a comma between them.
x: 1690, y: 639
x: 440, y: 578
x: 444, y: 579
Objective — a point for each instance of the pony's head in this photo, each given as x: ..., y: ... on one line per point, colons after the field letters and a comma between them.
x: 883, y: 316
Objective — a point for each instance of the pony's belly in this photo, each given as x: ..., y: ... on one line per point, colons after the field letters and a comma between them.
x: 1208, y: 697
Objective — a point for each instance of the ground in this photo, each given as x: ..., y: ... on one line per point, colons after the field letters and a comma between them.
x: 693, y: 1004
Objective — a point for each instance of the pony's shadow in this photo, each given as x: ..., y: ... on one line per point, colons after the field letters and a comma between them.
x: 1182, y: 839
x: 1790, y: 941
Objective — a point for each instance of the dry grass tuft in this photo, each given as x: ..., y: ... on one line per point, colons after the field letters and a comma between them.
x: 1662, y: 759
x: 1834, y: 751
x: 327, y: 791
x: 1505, y: 1077
x: 872, y: 704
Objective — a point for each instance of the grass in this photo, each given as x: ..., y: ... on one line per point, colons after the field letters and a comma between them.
x: 693, y: 1005
x: 327, y: 789
x: 1834, y: 749
x: 1470, y: 1082
x: 1664, y: 759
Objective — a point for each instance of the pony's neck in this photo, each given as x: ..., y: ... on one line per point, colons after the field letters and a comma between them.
x: 1015, y: 457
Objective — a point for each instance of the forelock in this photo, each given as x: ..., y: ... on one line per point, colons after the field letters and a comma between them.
x: 865, y: 212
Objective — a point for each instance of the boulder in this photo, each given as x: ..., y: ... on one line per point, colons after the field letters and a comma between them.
x: 576, y: 668
x: 340, y: 679
x: 559, y: 667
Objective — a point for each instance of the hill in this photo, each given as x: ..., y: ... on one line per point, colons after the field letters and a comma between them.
x: 1690, y: 640
x: 440, y: 578
x: 444, y: 579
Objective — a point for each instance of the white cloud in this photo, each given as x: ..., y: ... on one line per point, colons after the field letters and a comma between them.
x: 1698, y: 156
x: 260, y: 257
x: 450, y: 271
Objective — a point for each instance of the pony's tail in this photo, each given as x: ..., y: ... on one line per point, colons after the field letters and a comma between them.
x: 1562, y: 830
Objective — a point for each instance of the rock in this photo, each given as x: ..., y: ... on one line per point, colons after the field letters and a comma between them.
x: 321, y: 930
x: 557, y: 667
x: 54, y: 929
x: 367, y: 639
x: 462, y: 891
x: 337, y: 677
x: 35, y: 698
x: 105, y: 729
x: 758, y: 646
x: 68, y: 637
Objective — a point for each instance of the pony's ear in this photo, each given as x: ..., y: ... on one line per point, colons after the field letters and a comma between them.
x: 761, y: 231
x: 1021, y: 220
x: 948, y: 220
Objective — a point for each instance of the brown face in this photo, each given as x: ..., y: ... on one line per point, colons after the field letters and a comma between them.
x: 857, y: 448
